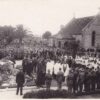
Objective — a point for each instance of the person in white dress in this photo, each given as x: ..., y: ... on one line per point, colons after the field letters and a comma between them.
x: 49, y: 66
x: 57, y: 66
x: 66, y: 73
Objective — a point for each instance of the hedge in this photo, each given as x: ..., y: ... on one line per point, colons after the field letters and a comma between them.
x: 44, y: 94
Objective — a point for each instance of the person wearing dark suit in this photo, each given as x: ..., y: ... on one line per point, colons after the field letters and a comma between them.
x: 25, y: 64
x: 34, y: 63
x: 48, y: 79
x: 60, y: 77
x: 20, y: 79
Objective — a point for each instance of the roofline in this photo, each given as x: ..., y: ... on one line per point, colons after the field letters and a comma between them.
x: 89, y: 24
x: 85, y: 17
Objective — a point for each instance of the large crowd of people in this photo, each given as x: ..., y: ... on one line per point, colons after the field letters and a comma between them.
x: 81, y: 74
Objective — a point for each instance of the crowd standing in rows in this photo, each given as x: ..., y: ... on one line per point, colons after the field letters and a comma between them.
x: 80, y: 75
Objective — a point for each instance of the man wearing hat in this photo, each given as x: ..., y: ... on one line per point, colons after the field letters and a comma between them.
x: 81, y: 79
x: 93, y: 79
x: 70, y: 78
x: 98, y: 77
x: 60, y: 78
x: 48, y: 79
x: 20, y: 79
x: 25, y: 64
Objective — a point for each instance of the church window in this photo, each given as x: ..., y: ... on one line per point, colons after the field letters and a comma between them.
x: 93, y: 38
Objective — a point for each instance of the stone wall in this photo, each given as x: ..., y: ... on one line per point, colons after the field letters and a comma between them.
x: 87, y: 36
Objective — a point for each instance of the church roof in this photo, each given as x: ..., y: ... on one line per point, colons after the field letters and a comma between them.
x: 75, y: 26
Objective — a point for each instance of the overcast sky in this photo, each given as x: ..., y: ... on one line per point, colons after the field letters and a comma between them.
x: 42, y: 15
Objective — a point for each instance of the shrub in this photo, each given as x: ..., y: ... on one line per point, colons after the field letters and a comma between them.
x: 44, y: 94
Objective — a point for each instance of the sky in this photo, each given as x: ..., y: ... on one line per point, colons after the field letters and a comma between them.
x: 39, y: 16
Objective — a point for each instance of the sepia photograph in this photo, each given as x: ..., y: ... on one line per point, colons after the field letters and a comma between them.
x: 49, y: 49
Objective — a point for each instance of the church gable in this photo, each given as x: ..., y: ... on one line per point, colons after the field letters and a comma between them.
x: 74, y: 27
x: 86, y: 30
x: 94, y: 23
x: 91, y: 33
x: 97, y: 20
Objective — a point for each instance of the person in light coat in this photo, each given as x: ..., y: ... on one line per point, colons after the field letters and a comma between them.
x: 49, y: 66
x: 66, y: 73
x: 57, y: 66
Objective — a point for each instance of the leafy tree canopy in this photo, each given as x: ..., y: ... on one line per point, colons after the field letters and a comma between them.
x: 9, y: 33
x: 46, y: 35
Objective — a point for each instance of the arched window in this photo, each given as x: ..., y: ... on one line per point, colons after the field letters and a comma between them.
x: 93, y: 38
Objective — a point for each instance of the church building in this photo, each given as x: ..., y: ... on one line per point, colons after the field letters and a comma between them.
x: 85, y: 30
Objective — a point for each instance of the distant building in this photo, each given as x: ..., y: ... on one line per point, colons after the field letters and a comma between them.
x: 86, y: 30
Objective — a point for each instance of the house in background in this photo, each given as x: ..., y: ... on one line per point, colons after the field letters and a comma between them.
x: 59, y: 41
x: 85, y: 30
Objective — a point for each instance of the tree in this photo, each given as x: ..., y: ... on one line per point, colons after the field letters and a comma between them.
x: 7, y: 33
x: 46, y: 35
x: 20, y: 32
